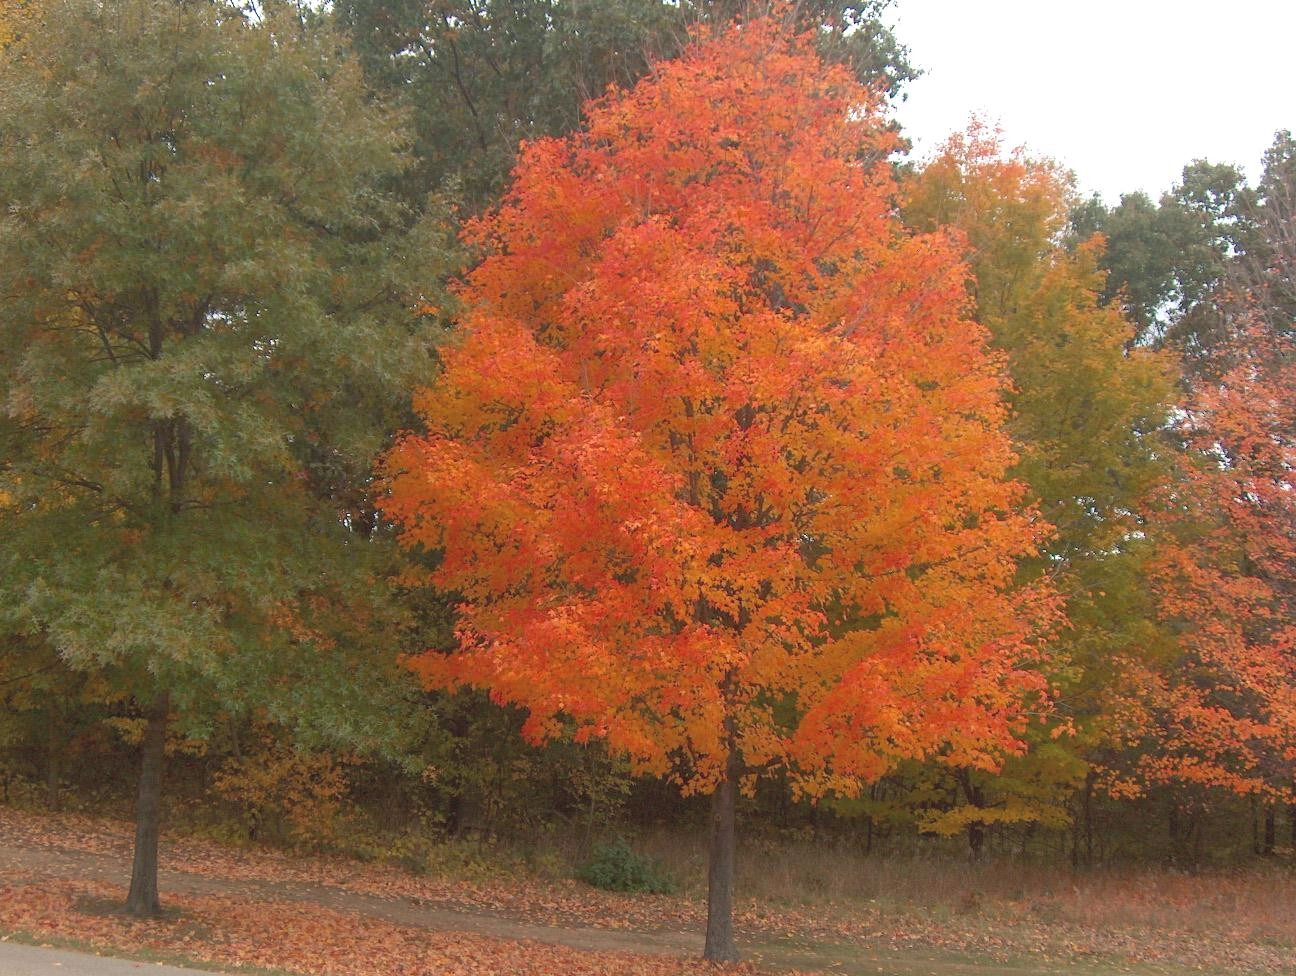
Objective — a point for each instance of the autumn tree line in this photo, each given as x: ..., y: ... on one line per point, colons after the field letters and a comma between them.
x: 489, y: 416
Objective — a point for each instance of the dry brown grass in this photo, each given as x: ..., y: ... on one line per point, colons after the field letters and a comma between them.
x: 1252, y: 903
x: 832, y: 896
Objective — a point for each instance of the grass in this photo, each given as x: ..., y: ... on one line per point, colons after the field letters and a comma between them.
x: 1253, y: 902
x: 938, y: 881
x: 1103, y: 909
x: 851, y: 960
x: 870, y: 913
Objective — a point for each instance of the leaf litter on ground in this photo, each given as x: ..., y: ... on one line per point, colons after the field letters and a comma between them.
x: 1000, y: 931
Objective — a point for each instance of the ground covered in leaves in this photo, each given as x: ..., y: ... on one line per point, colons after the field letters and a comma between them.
x: 299, y: 937
x: 1206, y: 924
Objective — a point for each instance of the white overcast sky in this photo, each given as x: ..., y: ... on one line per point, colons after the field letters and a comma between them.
x: 1123, y: 92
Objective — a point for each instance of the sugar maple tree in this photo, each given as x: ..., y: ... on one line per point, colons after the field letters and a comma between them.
x: 718, y: 468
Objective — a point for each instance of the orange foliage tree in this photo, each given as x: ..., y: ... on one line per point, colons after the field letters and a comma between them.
x: 718, y: 467
x: 1221, y: 712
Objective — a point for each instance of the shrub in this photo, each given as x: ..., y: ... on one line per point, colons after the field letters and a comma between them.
x: 287, y: 793
x: 617, y: 867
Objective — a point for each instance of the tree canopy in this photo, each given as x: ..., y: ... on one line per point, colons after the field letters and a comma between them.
x: 719, y: 467
x: 210, y: 311
x: 480, y: 76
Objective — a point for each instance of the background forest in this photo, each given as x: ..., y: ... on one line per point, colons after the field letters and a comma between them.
x: 233, y: 246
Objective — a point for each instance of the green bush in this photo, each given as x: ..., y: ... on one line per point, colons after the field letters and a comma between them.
x: 616, y: 867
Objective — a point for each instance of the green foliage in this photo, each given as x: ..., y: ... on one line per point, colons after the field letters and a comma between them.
x: 481, y: 76
x: 1263, y: 269
x: 1031, y: 789
x: 1165, y: 259
x: 617, y: 867
x: 220, y: 275
x: 1089, y: 407
x: 208, y: 303
x: 492, y: 783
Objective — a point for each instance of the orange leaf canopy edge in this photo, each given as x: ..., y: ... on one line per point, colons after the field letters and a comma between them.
x: 1222, y: 713
x: 719, y: 463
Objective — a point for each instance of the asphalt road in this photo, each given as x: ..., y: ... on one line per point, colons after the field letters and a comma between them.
x: 25, y: 960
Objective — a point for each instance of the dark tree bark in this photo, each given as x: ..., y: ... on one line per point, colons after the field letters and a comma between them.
x: 720, y: 945
x: 1255, y: 827
x: 142, y: 900
x: 52, y: 765
x: 1088, y: 818
x: 976, y: 797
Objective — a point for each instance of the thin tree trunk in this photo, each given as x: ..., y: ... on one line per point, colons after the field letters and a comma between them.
x: 1088, y: 819
x: 1176, y: 841
x: 1077, y: 828
x: 720, y: 946
x: 52, y: 770
x: 1270, y: 830
x: 143, y: 900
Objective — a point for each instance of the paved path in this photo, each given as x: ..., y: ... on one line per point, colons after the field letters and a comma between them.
x: 24, y: 960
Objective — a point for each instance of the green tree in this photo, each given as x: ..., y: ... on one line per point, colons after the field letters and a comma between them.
x: 44, y: 709
x: 483, y: 75
x: 209, y: 324
x: 1165, y: 260
x: 1261, y: 275
x: 1088, y: 406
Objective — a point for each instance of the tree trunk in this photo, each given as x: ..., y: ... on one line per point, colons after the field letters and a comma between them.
x: 1270, y: 830
x: 976, y: 832
x: 720, y: 946
x: 143, y: 901
x: 1176, y: 839
x: 52, y: 770
x: 1077, y: 829
x: 1088, y: 818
